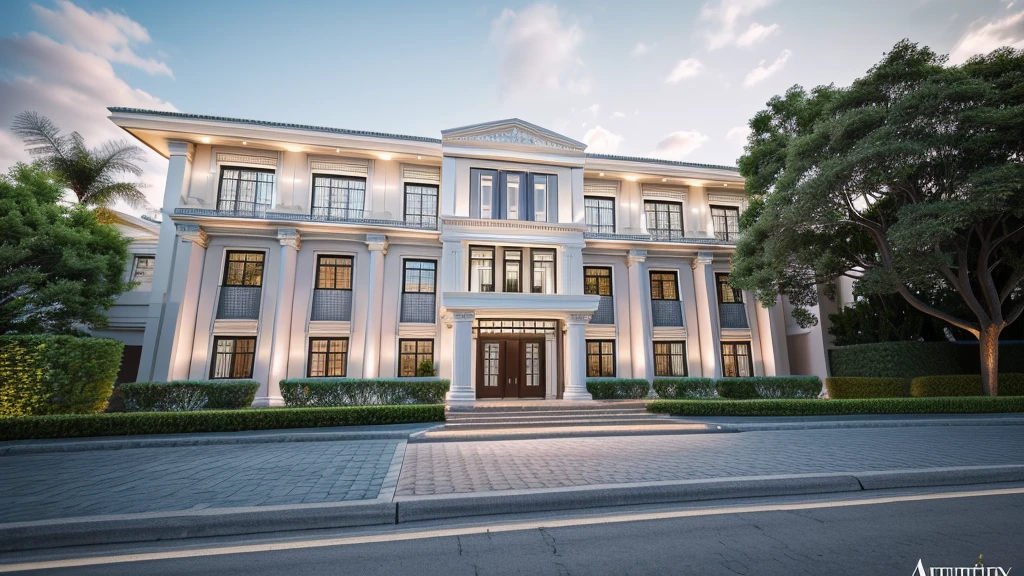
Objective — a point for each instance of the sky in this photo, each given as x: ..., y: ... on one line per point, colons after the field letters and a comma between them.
x: 676, y: 80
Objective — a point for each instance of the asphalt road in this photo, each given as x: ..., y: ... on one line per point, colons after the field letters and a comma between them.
x: 816, y: 536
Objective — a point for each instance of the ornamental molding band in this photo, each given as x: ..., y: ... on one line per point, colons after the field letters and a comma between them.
x: 577, y: 318
x: 430, y: 174
x: 463, y: 316
x: 192, y: 233
x: 223, y: 158
x: 289, y: 237
x: 377, y: 242
x: 515, y: 136
x: 349, y: 167
x: 513, y: 131
x: 600, y: 188
x: 730, y: 199
x: 664, y: 192
x: 704, y: 258
x: 636, y: 257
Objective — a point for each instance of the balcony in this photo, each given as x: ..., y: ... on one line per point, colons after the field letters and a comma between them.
x: 239, y: 303
x: 262, y: 212
x: 605, y: 313
x: 418, y: 307
x: 331, y: 306
x: 666, y: 313
x: 733, y: 315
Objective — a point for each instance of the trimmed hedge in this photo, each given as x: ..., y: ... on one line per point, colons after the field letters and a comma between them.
x: 769, y: 387
x: 130, y: 423
x: 736, y: 388
x: 326, y: 392
x: 795, y: 407
x: 685, y: 388
x: 46, y: 374
x: 852, y: 387
x: 618, y: 388
x: 914, y: 359
x: 188, y: 395
x: 1011, y: 384
x: 964, y: 385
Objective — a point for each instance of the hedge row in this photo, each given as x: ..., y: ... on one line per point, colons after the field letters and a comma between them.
x: 793, y: 407
x: 922, y: 387
x: 325, y: 392
x: 188, y: 395
x: 692, y: 388
x: 618, y: 388
x: 914, y: 359
x: 56, y: 374
x: 840, y: 388
x: 767, y: 387
x: 123, y: 424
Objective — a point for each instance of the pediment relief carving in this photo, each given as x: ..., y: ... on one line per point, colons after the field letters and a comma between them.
x: 516, y: 133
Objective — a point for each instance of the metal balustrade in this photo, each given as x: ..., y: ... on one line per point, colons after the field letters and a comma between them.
x: 605, y: 313
x: 732, y: 315
x: 427, y: 223
x: 666, y: 313
x: 239, y: 303
x: 331, y: 305
x: 418, y: 307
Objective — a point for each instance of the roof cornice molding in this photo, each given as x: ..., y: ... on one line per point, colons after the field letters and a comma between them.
x: 512, y: 131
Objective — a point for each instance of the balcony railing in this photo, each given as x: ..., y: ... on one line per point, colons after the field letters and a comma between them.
x: 331, y: 305
x: 239, y: 303
x: 652, y: 238
x: 418, y: 307
x: 666, y: 313
x: 264, y: 213
x: 733, y: 315
x: 605, y: 311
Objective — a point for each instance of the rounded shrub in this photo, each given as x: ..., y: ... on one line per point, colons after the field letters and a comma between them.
x: 854, y: 387
x: 736, y: 388
x: 618, y: 388
x: 1011, y: 384
x: 668, y: 388
x: 188, y: 395
x: 942, y: 386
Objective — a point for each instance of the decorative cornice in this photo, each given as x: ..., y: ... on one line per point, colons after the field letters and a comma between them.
x: 636, y: 256
x: 377, y: 242
x: 520, y: 224
x: 514, y: 136
x: 578, y: 318
x: 463, y: 316
x: 512, y: 131
x: 289, y: 237
x: 181, y: 148
x: 192, y: 233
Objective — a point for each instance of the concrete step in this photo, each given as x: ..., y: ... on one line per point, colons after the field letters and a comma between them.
x: 530, y: 433
x: 560, y: 423
x: 553, y: 405
x: 546, y: 414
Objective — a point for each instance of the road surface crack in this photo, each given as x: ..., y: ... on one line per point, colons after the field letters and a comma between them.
x: 550, y: 540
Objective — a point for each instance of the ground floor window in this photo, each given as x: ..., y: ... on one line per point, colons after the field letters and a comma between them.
x: 736, y: 359
x: 600, y: 358
x: 413, y: 353
x: 328, y: 357
x: 233, y: 357
x: 670, y: 358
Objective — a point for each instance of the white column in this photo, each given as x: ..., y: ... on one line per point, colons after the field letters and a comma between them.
x: 461, y: 393
x: 750, y: 306
x: 378, y: 245
x: 270, y: 394
x: 707, y: 316
x: 572, y: 269
x: 764, y: 330
x: 189, y: 265
x: 638, y: 331
x: 576, y: 359
x: 780, y: 341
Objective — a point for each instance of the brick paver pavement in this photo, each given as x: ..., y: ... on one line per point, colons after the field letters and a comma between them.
x: 442, y: 468
x: 59, y: 485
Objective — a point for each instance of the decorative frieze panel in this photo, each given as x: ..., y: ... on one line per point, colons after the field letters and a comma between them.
x: 665, y: 192
x: 430, y: 174
x: 514, y: 136
x: 600, y: 188
x: 346, y: 167
x: 248, y: 159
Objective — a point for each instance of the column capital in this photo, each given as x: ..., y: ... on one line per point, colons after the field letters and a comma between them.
x: 636, y: 256
x: 463, y: 316
x: 289, y: 237
x: 377, y: 242
x: 192, y: 233
x: 703, y: 258
x: 181, y: 148
x: 575, y: 318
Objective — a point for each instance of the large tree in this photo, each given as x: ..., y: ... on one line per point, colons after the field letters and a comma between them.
x: 60, y: 268
x: 910, y: 180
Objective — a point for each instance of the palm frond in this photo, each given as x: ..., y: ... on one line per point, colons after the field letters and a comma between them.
x: 118, y: 156
x: 41, y: 136
x: 107, y: 194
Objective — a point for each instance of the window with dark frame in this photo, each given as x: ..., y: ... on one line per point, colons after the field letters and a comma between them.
x: 543, y: 274
x: 338, y: 197
x: 726, y: 221
x: 736, y: 359
x: 664, y: 286
x: 670, y: 358
x: 600, y: 358
x: 328, y: 358
x: 726, y: 293
x: 143, y: 272
x: 244, y: 269
x: 419, y: 276
x: 233, y: 357
x: 245, y: 190
x: 412, y: 353
x: 513, y: 195
x: 597, y: 280
x: 421, y: 205
x: 333, y: 272
x: 481, y: 269
x: 513, y: 263
x: 539, y: 198
x: 664, y: 219
x: 600, y: 214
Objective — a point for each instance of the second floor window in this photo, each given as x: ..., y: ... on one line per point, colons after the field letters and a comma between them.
x: 663, y: 286
x: 512, y: 195
x: 244, y: 269
x: 481, y: 270
x: 597, y: 281
x: 543, y: 271
x: 600, y: 213
x: 664, y: 220
x: 143, y: 272
x: 333, y: 272
x: 421, y: 205
x: 245, y: 190
x: 726, y: 222
x: 513, y: 270
x: 338, y: 197
x: 726, y: 293
x: 419, y: 276
x: 540, y: 197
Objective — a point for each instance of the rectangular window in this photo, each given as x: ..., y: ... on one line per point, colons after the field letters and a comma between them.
x: 513, y: 270
x: 726, y: 221
x: 486, y: 196
x: 540, y: 198
x: 726, y: 293
x: 246, y: 191
x: 664, y: 220
x: 600, y: 358
x: 421, y: 205
x: 338, y: 197
x: 244, y: 269
x: 233, y: 357
x: 597, y: 281
x: 736, y: 359
x: 328, y: 357
x: 481, y: 269
x: 333, y: 272
x: 670, y: 358
x: 512, y: 196
x: 143, y: 272
x: 543, y: 271
x: 600, y: 213
x: 664, y: 286
x: 418, y: 276
x: 412, y: 353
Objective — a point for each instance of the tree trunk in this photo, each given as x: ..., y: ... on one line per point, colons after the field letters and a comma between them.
x: 988, y: 345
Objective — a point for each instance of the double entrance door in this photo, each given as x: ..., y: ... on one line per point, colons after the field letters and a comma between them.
x: 510, y: 366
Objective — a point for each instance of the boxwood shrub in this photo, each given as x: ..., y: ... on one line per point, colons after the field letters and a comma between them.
x: 618, y: 388
x: 130, y: 423
x: 56, y: 374
x: 685, y: 388
x: 854, y: 387
x: 736, y: 388
x: 769, y: 387
x: 188, y: 395
x: 798, y: 407
x: 1011, y: 384
x: 913, y: 359
x: 363, y: 391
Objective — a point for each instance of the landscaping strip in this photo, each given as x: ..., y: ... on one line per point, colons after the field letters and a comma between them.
x: 125, y: 424
x: 792, y: 407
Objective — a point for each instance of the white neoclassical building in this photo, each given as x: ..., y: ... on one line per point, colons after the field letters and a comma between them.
x: 502, y: 253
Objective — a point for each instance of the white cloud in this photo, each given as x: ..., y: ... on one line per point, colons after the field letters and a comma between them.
x: 725, y: 17
x: 599, y: 140
x: 594, y: 109
x: 537, y: 50
x: 687, y: 68
x: 756, y: 33
x: 106, y: 34
x: 640, y: 49
x: 617, y: 114
x: 761, y: 72
x: 984, y: 38
x: 678, y: 144
x: 740, y: 133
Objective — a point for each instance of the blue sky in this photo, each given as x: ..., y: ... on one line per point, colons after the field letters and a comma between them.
x: 672, y: 79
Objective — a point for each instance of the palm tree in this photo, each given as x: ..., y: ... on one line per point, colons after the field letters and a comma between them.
x: 90, y: 173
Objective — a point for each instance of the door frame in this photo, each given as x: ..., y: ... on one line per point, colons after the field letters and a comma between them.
x: 511, y: 370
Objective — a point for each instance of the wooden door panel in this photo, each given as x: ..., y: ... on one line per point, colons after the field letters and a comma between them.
x: 532, y: 369
x: 490, y: 373
x: 511, y: 364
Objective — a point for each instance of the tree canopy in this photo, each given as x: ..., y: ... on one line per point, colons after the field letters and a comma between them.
x: 910, y: 180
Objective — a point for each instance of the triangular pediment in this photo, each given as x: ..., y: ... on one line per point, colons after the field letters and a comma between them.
x: 514, y: 132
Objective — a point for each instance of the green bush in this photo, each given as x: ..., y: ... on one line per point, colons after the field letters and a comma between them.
x: 1011, y: 384
x: 324, y: 392
x: 130, y: 423
x: 736, y: 388
x: 913, y: 359
x: 796, y: 407
x: 618, y: 388
x: 668, y: 388
x: 787, y: 386
x: 949, y: 385
x: 56, y: 374
x: 188, y: 395
x: 852, y: 387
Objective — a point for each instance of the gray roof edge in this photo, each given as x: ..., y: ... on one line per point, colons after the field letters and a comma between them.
x: 661, y: 161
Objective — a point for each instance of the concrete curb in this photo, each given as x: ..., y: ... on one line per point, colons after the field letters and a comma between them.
x: 768, y: 427
x: 422, y: 437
